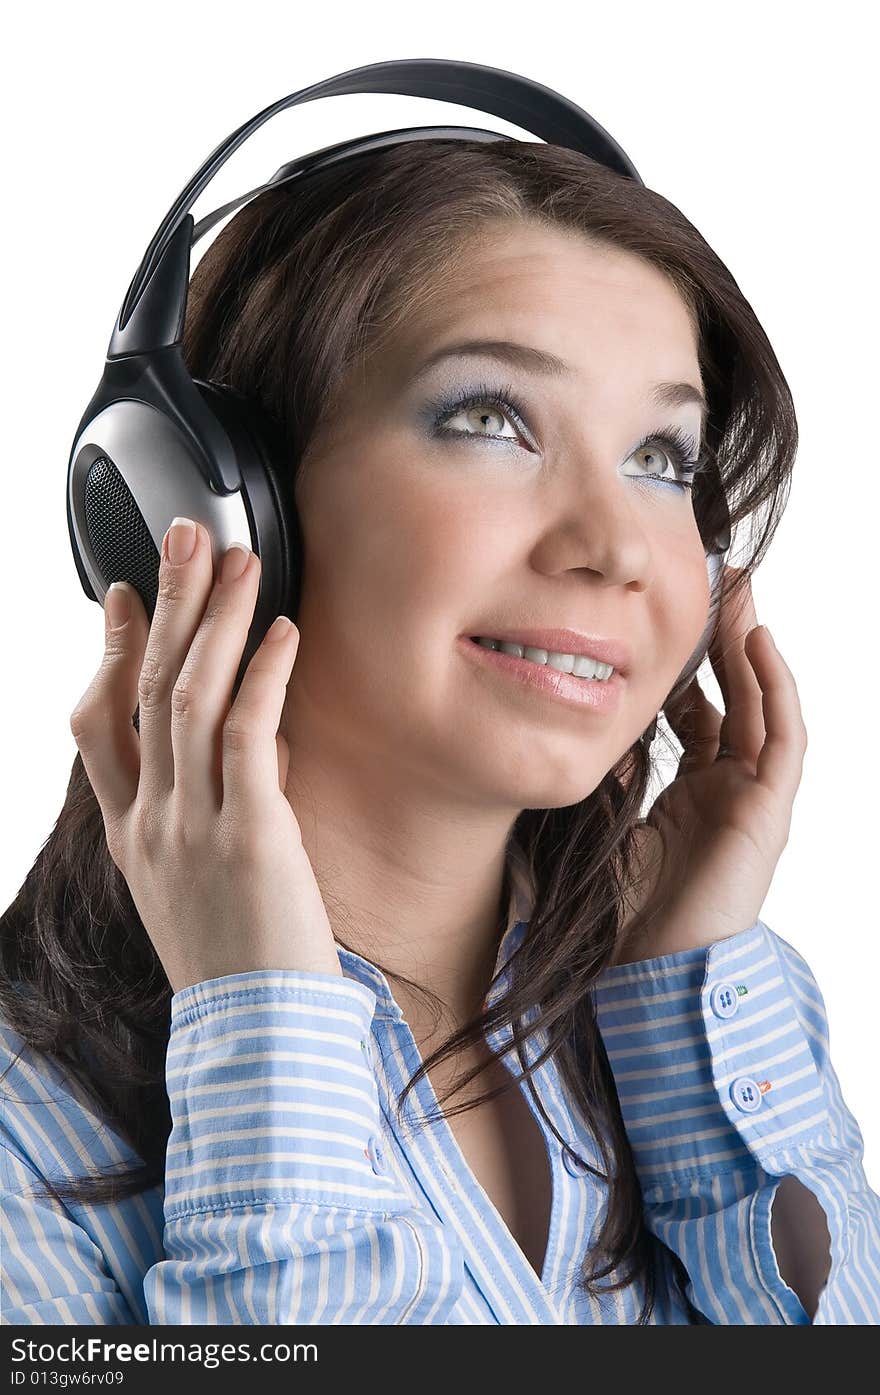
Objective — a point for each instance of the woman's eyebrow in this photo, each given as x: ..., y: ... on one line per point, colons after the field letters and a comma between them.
x: 539, y: 361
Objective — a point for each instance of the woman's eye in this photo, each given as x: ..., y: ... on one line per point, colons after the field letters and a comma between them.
x: 481, y: 419
x: 655, y: 459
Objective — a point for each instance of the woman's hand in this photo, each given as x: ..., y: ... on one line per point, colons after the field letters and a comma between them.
x: 715, y: 834
x: 194, y: 811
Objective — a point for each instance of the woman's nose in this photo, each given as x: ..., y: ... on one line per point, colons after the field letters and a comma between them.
x: 598, y: 528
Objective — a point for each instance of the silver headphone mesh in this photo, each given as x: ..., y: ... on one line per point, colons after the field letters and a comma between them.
x: 121, y: 543
x: 118, y: 537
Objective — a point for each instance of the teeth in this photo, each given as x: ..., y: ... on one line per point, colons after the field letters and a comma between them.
x: 580, y: 666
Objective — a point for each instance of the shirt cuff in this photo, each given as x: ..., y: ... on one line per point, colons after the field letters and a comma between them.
x: 273, y: 1095
x: 711, y: 1064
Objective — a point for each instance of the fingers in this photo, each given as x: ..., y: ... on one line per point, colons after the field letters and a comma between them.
x: 182, y: 669
x: 781, y: 758
x: 743, y: 724
x: 184, y: 586
x: 696, y: 723
x: 202, y: 692
x: 699, y: 726
x: 252, y: 749
x: 101, y: 722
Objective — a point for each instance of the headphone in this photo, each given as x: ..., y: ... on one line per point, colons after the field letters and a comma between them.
x: 155, y: 442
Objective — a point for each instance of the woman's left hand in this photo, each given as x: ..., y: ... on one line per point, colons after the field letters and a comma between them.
x: 717, y: 831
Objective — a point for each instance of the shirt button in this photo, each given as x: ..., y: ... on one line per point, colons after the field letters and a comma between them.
x: 724, y: 999
x: 746, y: 1094
x: 377, y: 1153
x: 573, y: 1164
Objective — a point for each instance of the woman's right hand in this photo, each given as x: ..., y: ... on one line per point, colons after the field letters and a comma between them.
x: 194, y: 811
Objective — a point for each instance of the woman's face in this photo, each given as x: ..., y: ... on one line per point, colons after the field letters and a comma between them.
x: 547, y: 519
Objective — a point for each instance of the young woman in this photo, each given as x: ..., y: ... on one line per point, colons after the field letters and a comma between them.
x: 366, y: 994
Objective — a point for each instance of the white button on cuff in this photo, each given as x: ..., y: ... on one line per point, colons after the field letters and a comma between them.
x: 377, y: 1153
x: 746, y: 1094
x: 573, y: 1165
x: 724, y: 999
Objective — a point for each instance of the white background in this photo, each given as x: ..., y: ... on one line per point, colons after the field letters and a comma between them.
x: 757, y: 120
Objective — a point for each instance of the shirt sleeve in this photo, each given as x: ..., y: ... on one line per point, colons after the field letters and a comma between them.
x: 279, y: 1204
x: 51, y: 1269
x: 720, y: 1056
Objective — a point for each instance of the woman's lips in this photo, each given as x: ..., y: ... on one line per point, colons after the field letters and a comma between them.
x: 608, y: 651
x: 601, y: 695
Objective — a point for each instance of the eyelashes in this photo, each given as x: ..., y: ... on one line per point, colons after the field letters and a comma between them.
x: 677, y: 443
x: 680, y: 445
x: 503, y: 398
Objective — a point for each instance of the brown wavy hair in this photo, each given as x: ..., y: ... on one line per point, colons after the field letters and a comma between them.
x: 295, y: 292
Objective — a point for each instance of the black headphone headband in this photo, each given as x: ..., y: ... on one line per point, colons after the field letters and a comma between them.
x: 521, y: 101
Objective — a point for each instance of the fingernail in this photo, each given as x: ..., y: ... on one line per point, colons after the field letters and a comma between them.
x: 235, y: 559
x: 279, y: 629
x: 769, y: 636
x: 180, y: 541
x: 117, y: 605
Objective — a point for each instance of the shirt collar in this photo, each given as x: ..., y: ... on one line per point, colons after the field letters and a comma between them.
x: 519, y: 911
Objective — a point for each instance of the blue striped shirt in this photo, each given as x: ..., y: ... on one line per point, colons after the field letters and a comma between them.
x: 293, y: 1194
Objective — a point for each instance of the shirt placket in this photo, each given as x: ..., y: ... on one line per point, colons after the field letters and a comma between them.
x: 497, y: 1265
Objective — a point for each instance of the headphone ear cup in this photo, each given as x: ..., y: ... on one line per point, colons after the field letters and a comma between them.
x: 133, y: 468
x: 715, y: 568
x: 131, y: 471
